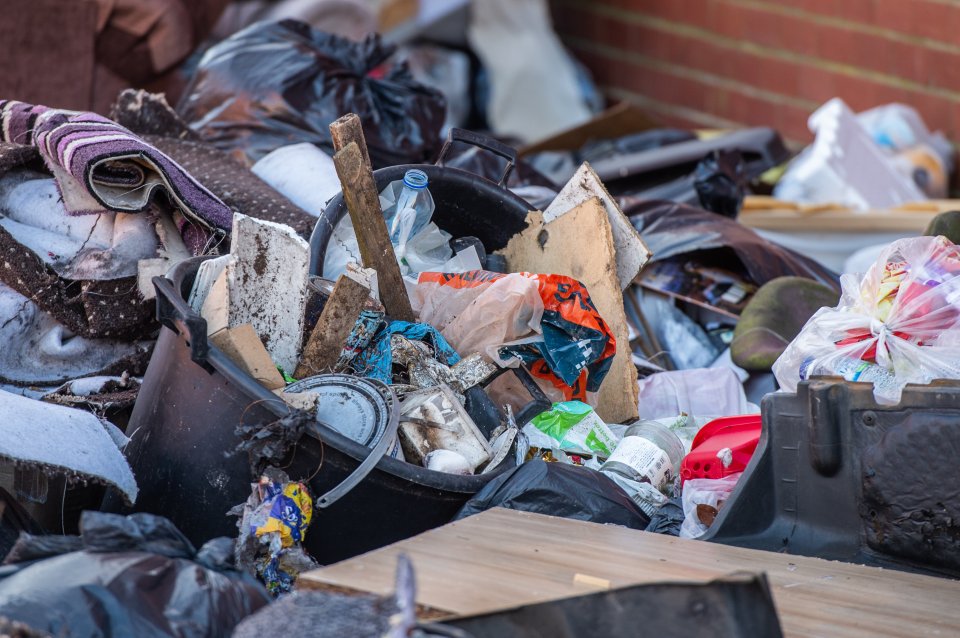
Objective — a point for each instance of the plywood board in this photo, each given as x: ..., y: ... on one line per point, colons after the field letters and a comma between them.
x: 631, y: 252
x: 579, y: 244
x: 500, y: 559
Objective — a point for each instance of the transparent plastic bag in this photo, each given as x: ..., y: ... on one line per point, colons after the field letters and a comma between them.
x: 708, y: 492
x: 899, y: 324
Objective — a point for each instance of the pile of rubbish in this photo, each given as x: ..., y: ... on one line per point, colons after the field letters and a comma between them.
x: 307, y: 313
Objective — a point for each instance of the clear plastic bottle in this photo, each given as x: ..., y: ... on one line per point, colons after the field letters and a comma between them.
x: 649, y: 453
x: 407, y: 206
x: 857, y: 370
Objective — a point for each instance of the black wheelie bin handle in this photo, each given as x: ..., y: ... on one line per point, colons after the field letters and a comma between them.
x: 174, y: 313
x: 481, y: 141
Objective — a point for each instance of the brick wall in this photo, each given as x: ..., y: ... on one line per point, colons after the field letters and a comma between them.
x: 769, y: 62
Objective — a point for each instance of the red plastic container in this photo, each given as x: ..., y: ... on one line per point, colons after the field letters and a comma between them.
x: 739, y: 433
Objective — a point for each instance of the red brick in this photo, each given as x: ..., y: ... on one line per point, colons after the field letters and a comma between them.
x: 927, y: 66
x: 803, y: 77
x: 665, y: 86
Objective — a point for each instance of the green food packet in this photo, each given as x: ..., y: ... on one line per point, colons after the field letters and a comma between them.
x: 577, y: 428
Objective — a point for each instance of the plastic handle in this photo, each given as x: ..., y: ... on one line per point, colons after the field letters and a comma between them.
x: 481, y: 141
x: 379, y: 450
x: 175, y: 314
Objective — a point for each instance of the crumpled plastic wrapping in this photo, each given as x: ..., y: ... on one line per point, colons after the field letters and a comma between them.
x: 899, y: 324
x: 709, y: 493
x: 558, y: 489
x: 670, y: 230
x: 126, y: 576
x: 273, y: 525
x: 281, y: 83
x: 549, y: 322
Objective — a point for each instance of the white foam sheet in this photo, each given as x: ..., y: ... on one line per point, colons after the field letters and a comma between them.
x: 65, y: 440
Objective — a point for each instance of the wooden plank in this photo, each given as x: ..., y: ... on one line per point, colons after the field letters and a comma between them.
x: 348, y: 129
x: 338, y: 318
x: 767, y: 213
x: 500, y: 559
x: 363, y: 203
x: 243, y: 346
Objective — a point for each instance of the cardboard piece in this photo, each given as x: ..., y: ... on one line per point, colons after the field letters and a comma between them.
x: 207, y: 274
x: 245, y: 349
x: 268, y: 285
x: 631, y: 253
x: 215, y: 307
x: 306, y: 401
x: 579, y: 244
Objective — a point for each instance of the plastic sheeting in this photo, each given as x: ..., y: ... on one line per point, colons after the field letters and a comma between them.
x: 672, y: 230
x: 281, y: 83
x: 561, y: 490
x: 126, y: 576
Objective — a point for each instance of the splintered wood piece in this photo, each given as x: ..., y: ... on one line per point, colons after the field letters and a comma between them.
x: 363, y: 203
x: 336, y: 321
x: 349, y: 129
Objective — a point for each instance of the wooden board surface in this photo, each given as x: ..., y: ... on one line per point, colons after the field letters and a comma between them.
x: 767, y: 213
x: 501, y: 559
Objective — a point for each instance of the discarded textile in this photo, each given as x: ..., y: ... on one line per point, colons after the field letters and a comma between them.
x: 40, y: 351
x: 99, y: 164
x: 279, y: 83
x: 273, y: 524
x: 368, y: 324
x: 149, y: 116
x: 376, y: 361
x: 98, y: 394
x: 127, y: 576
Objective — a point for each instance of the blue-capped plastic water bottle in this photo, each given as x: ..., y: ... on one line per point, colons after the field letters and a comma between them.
x: 407, y: 206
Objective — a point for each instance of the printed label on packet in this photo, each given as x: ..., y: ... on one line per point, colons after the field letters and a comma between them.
x: 645, y: 458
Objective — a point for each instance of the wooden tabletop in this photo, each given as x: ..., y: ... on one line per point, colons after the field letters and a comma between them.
x: 501, y: 559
